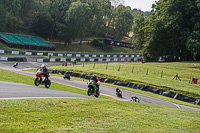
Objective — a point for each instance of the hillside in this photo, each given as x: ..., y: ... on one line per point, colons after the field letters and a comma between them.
x: 81, y: 48
x: 90, y: 48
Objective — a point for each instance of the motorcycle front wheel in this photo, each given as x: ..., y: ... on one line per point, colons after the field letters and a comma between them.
x: 89, y: 92
x: 47, y: 83
x: 37, y: 81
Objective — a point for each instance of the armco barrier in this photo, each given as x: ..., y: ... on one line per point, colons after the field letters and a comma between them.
x: 135, y: 86
x: 88, y: 59
x: 73, y: 54
x: 18, y: 59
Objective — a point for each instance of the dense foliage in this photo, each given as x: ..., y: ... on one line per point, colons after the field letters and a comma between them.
x: 66, y: 19
x: 172, y: 31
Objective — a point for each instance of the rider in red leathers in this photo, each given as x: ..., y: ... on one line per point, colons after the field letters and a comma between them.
x: 45, y: 71
x: 96, y: 80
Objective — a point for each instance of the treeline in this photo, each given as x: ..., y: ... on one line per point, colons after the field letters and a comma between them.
x: 146, y: 13
x: 66, y: 20
x: 171, y: 32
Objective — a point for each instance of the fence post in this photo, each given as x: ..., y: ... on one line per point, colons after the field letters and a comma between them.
x: 119, y: 68
x: 94, y: 65
x: 161, y: 74
x: 107, y: 66
x: 132, y: 69
x: 147, y: 72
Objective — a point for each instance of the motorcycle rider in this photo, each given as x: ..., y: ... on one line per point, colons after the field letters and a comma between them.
x: 15, y: 64
x: 134, y: 98
x: 67, y: 75
x: 45, y: 71
x: 96, y: 80
x: 118, y: 90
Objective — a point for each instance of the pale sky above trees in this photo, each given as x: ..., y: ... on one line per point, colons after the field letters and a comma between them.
x: 144, y: 5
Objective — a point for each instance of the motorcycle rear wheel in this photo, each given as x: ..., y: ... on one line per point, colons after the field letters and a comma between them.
x: 37, y: 81
x: 97, y: 94
x: 47, y: 83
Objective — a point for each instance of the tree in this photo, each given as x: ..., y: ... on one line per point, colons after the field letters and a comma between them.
x: 193, y: 41
x: 100, y: 11
x: 78, y: 17
x: 123, y: 22
x: 167, y: 29
x: 41, y: 26
x: 2, y: 16
x: 138, y: 32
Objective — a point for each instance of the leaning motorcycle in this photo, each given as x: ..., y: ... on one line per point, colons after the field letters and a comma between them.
x: 119, y: 94
x: 93, y: 89
x: 41, y: 79
x: 67, y: 76
x: 135, y: 100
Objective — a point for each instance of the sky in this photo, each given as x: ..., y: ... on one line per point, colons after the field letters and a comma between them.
x: 144, y: 5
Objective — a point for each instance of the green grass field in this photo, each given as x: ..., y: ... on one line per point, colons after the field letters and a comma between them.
x: 150, y: 78
x: 94, y: 115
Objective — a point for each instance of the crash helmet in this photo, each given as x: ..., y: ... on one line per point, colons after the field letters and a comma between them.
x: 94, y: 76
x: 43, y: 66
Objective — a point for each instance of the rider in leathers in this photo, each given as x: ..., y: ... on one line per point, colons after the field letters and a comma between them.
x: 96, y: 80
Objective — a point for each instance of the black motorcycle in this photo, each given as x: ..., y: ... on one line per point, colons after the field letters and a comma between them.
x: 67, y: 76
x: 15, y: 64
x: 93, y: 89
x: 119, y: 93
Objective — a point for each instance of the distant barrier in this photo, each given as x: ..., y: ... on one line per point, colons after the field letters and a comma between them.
x: 87, y: 59
x: 71, y: 54
x: 18, y: 59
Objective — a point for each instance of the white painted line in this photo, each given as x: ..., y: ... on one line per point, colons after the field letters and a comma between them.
x: 36, y: 97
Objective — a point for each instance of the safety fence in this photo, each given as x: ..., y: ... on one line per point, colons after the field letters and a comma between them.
x: 20, y: 59
x: 88, y: 59
x: 66, y: 54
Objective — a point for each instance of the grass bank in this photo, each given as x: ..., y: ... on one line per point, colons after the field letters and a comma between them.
x: 86, y: 47
x: 93, y: 115
x: 90, y: 48
x: 148, y: 74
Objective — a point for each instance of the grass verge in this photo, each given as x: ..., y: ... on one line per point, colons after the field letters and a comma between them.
x: 93, y: 115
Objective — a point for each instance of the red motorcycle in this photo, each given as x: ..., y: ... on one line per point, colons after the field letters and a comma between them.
x: 41, y: 79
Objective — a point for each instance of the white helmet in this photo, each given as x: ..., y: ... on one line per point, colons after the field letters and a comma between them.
x: 43, y: 66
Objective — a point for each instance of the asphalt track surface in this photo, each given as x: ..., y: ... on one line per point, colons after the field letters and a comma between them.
x: 12, y: 92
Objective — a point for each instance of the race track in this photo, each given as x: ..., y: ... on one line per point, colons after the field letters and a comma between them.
x: 110, y: 91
